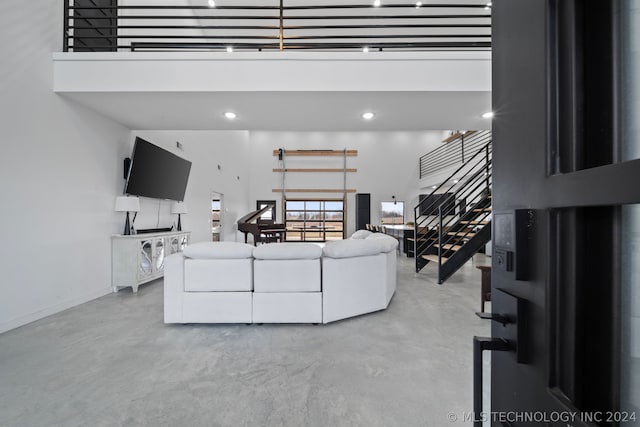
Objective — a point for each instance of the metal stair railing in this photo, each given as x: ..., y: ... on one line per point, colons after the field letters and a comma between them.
x: 455, y: 152
x: 455, y: 225
x: 469, y: 187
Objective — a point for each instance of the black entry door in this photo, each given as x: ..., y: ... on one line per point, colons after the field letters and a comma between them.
x: 566, y: 191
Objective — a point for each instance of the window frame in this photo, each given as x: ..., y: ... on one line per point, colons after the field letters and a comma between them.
x: 308, y: 234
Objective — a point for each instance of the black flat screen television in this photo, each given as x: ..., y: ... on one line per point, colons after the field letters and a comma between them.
x: 157, y: 173
x: 429, y: 204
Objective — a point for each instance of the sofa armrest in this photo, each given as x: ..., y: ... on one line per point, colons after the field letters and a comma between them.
x: 173, y: 288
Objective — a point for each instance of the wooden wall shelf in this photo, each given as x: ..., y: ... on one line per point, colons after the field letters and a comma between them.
x: 315, y: 170
x: 314, y: 190
x: 350, y: 153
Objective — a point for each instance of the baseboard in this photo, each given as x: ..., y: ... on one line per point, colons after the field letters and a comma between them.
x: 48, y: 311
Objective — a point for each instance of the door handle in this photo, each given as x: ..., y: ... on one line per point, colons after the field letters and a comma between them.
x: 481, y: 344
x: 502, y: 319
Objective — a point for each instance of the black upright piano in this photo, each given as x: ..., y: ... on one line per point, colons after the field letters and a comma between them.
x: 264, y: 231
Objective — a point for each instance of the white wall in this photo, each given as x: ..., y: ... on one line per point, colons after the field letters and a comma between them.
x: 387, y: 164
x: 206, y: 150
x: 58, y: 176
x: 461, y: 71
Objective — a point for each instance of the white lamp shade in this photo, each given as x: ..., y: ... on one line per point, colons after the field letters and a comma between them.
x: 179, y: 208
x: 127, y: 204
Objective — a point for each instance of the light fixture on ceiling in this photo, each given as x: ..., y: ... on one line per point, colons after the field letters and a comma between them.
x: 377, y: 3
x: 212, y: 3
x: 488, y: 115
x: 365, y: 49
x: 229, y: 49
x: 368, y: 115
x: 230, y: 115
x: 434, y: 186
x: 455, y: 181
x: 418, y: 4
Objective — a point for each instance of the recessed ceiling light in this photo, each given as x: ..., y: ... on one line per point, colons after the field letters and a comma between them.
x: 418, y: 4
x: 368, y: 115
x: 230, y: 115
x: 365, y: 49
x: 488, y: 115
x: 229, y: 49
x: 212, y: 3
x: 377, y: 3
x: 455, y: 181
x: 434, y: 186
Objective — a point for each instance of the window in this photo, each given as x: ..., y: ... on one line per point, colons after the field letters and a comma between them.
x: 314, y: 220
x: 392, y: 213
x: 269, y: 215
x: 215, y: 220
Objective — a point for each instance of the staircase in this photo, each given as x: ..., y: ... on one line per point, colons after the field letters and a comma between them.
x: 454, y: 222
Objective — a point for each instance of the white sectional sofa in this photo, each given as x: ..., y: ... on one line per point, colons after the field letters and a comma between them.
x: 209, y: 283
x: 358, y: 276
x: 229, y: 282
x: 287, y: 283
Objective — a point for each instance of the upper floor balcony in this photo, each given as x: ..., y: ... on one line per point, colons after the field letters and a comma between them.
x: 428, y: 63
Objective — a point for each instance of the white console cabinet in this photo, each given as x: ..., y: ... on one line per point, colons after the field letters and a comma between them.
x: 139, y: 258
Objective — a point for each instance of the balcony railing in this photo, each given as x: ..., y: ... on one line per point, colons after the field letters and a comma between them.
x: 111, y: 25
x: 456, y: 152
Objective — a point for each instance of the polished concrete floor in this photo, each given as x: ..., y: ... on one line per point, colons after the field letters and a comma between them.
x: 112, y: 362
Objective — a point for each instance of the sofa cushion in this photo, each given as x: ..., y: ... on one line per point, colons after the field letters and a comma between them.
x: 288, y: 251
x: 218, y: 250
x: 361, y: 234
x: 355, y: 247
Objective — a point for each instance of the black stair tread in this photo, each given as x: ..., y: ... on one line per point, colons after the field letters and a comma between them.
x: 461, y: 234
x: 434, y: 258
x: 474, y: 222
x: 449, y: 247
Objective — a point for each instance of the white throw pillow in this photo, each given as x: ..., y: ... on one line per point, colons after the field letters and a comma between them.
x: 361, y: 234
x: 288, y: 251
x: 218, y: 250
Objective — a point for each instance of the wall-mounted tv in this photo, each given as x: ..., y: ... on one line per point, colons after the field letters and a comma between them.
x: 157, y: 173
x: 429, y: 204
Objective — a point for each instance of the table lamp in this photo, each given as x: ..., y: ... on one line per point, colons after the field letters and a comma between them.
x: 127, y: 204
x: 179, y: 208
